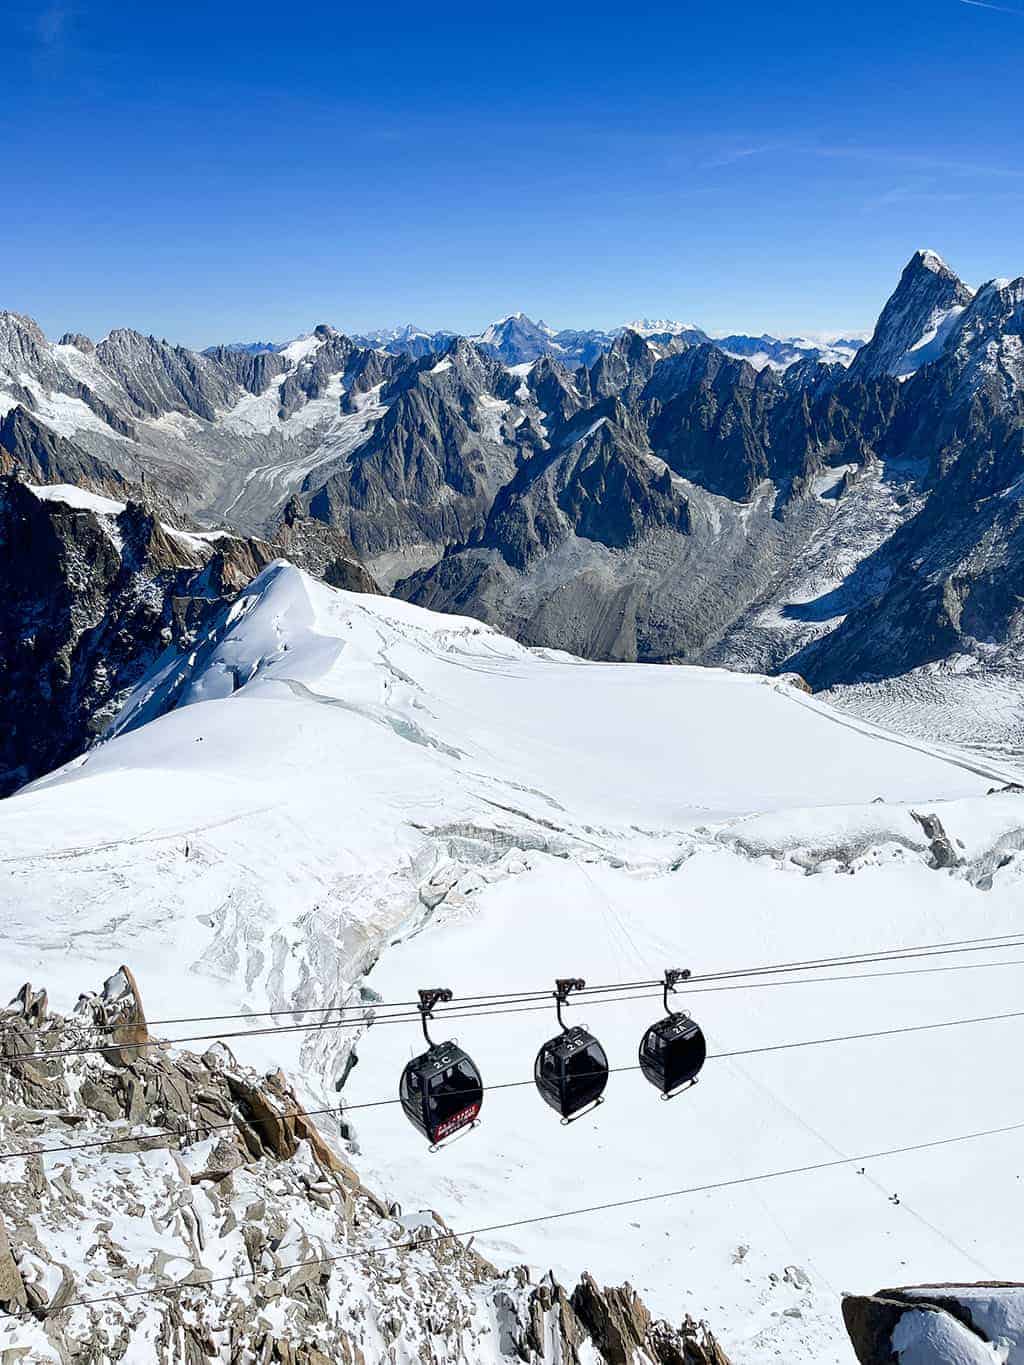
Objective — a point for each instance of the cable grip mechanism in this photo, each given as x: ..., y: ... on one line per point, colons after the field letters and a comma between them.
x: 563, y: 985
x: 673, y: 976
x: 435, y: 995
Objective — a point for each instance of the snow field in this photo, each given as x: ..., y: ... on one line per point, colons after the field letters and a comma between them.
x: 373, y: 794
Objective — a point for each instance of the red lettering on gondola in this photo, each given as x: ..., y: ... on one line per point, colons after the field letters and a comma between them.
x: 456, y: 1122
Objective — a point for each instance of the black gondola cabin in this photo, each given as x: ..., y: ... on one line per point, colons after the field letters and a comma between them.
x: 672, y: 1052
x: 571, y: 1071
x: 441, y: 1092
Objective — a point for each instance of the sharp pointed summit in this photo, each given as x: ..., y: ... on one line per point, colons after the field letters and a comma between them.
x: 916, y: 322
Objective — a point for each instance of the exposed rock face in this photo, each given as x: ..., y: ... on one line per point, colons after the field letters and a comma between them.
x: 88, y: 601
x: 623, y: 1330
x: 945, y: 1324
x: 32, y: 448
x: 254, y: 370
x: 203, y: 1216
x: 428, y: 474
x: 925, y: 301
x: 841, y: 524
x: 949, y: 580
x: 322, y: 550
x: 943, y: 853
x: 159, y: 378
x: 311, y: 378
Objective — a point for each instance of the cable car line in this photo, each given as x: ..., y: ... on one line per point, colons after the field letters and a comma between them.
x: 853, y: 976
x: 465, y: 1009
x: 345, y: 1109
x: 526, y: 996
x: 482, y: 1013
x: 426, y: 1244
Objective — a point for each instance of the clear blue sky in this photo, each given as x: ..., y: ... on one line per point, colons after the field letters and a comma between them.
x: 219, y: 171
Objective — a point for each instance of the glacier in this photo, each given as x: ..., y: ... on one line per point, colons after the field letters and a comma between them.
x: 334, y: 798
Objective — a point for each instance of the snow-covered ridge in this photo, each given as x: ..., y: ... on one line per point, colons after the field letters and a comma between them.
x: 109, y: 508
x: 654, y: 326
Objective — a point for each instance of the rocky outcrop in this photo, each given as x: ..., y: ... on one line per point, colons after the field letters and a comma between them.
x: 321, y: 549
x: 39, y: 455
x: 943, y: 853
x: 943, y: 1324
x: 202, y: 1215
x: 623, y: 1331
x: 89, y: 599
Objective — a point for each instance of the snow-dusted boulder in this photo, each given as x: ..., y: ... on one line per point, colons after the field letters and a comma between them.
x: 943, y: 1324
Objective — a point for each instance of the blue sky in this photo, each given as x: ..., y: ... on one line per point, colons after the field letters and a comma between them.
x: 220, y: 171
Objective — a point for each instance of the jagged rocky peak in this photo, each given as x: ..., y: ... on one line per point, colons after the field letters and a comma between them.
x: 516, y: 338
x: 196, y: 1176
x: 624, y: 368
x: 995, y: 313
x: 552, y: 386
x: 160, y: 378
x: 915, y: 324
x: 22, y: 345
x: 472, y: 363
x: 253, y: 369
x: 80, y: 342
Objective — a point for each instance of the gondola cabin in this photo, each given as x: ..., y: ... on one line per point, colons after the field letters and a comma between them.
x: 571, y: 1072
x: 441, y: 1092
x: 672, y: 1052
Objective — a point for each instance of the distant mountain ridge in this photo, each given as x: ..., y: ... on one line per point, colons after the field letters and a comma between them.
x: 518, y: 340
x: 667, y: 499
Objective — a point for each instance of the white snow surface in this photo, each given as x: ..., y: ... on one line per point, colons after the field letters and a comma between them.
x: 371, y: 788
x: 80, y: 498
x: 923, y: 1338
x: 930, y: 344
x: 302, y: 348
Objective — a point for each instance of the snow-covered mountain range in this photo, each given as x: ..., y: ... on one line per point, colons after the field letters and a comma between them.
x: 663, y: 500
x: 517, y: 340
x: 331, y: 798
